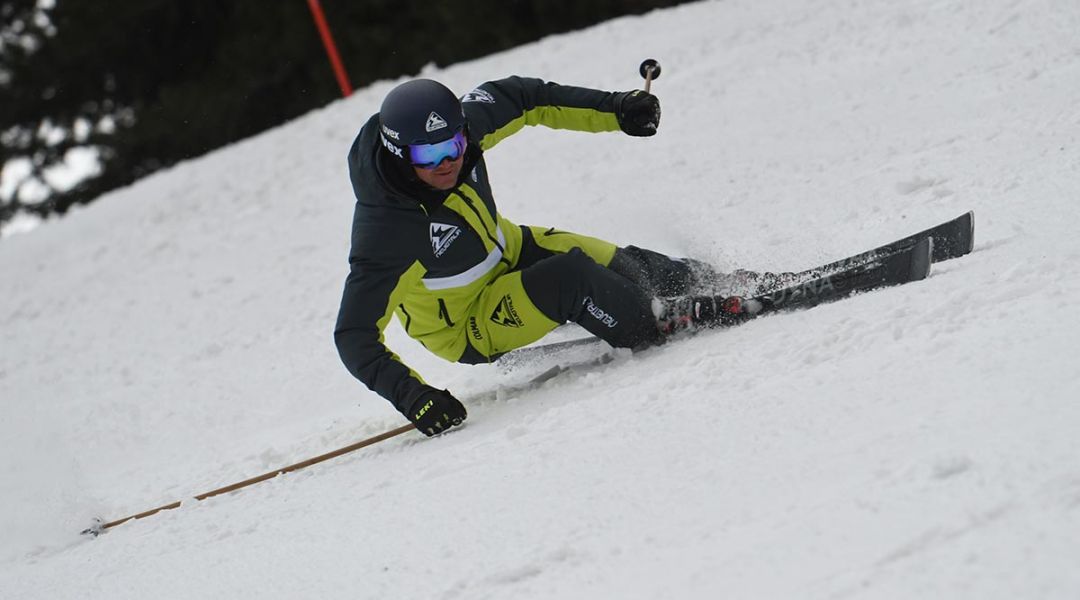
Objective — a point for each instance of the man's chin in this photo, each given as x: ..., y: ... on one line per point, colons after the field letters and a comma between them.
x: 438, y: 181
x: 445, y: 182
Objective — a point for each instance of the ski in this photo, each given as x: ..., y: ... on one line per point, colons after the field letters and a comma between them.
x: 906, y: 259
x: 951, y: 239
x: 910, y: 263
x: 532, y: 353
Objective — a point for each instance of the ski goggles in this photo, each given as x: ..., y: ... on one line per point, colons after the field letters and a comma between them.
x: 429, y: 156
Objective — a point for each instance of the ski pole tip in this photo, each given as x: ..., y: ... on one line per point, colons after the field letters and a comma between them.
x: 96, y: 528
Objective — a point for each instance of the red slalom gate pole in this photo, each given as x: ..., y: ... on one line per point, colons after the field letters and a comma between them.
x: 331, y: 49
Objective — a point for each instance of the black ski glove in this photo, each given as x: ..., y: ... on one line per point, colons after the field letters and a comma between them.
x: 435, y: 411
x: 638, y: 112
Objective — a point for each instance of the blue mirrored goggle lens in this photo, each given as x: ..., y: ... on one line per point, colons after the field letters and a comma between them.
x: 428, y: 156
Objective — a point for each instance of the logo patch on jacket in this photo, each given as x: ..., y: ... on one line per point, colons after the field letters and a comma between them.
x: 479, y: 95
x: 505, y: 314
x: 435, y: 122
x: 442, y: 235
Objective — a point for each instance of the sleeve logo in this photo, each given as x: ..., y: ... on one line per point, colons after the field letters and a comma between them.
x: 479, y: 95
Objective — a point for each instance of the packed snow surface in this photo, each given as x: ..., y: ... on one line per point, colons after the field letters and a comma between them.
x: 922, y: 441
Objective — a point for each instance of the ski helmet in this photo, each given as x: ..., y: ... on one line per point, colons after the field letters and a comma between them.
x: 418, y: 112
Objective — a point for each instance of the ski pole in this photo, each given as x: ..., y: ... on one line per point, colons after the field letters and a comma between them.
x: 650, y: 70
x: 99, y: 526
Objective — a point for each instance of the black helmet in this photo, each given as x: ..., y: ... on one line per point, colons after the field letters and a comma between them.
x: 420, y: 111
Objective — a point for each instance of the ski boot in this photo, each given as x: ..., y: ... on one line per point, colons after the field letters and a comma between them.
x: 702, y: 312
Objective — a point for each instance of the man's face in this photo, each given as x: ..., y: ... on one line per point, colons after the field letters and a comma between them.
x: 444, y: 176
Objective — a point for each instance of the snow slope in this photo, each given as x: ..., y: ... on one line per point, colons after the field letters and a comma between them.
x: 918, y: 442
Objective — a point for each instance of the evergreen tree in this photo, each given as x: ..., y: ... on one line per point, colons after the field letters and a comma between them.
x: 149, y: 83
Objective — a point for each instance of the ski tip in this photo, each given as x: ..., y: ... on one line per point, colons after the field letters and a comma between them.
x: 971, y: 232
x: 921, y: 259
x: 962, y: 241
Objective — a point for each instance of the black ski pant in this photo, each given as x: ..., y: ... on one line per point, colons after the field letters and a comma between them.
x: 614, y: 303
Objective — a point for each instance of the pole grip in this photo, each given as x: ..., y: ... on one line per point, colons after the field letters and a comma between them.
x: 649, y: 70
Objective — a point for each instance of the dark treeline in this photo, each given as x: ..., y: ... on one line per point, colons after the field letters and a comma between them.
x: 153, y: 82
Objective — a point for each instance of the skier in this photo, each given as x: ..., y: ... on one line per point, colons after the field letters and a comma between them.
x: 429, y: 244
